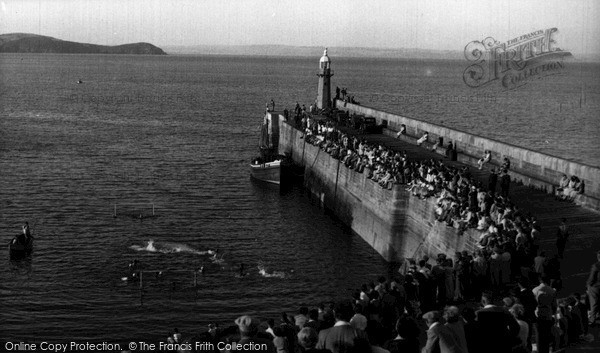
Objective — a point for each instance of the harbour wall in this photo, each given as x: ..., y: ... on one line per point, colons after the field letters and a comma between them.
x: 395, y: 223
x: 532, y: 168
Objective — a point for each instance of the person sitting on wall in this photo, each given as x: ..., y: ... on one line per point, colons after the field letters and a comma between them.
x: 435, y: 146
x: 562, y: 185
x: 574, y: 188
x: 402, y: 131
x: 487, y: 157
x: 505, y: 164
x: 423, y: 138
x: 386, y: 181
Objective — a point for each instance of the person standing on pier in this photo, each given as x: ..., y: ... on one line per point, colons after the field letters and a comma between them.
x: 504, y: 183
x: 545, y: 297
x: 562, y: 235
x: 492, y: 181
x: 593, y: 290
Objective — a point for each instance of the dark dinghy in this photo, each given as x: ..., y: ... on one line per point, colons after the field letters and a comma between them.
x: 19, y: 250
x: 21, y: 245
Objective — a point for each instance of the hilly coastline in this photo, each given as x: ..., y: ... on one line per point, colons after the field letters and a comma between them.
x: 33, y: 43
x: 308, y: 51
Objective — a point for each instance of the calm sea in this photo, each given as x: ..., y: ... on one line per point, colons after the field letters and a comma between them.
x: 176, y: 133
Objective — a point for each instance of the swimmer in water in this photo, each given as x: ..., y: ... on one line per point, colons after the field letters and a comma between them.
x: 201, y: 270
x: 216, y: 256
x: 133, y: 265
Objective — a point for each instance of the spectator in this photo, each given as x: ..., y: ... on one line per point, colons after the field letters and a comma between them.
x: 562, y: 185
x: 540, y: 263
x: 301, y: 318
x: 471, y: 328
x: 562, y: 234
x: 402, y: 131
x: 574, y: 188
x: 497, y: 328
x: 248, y: 329
x: 407, y: 340
x: 358, y: 321
x: 545, y: 297
x: 423, y: 138
x: 505, y: 164
x: 439, y: 337
x: 583, y: 309
x: 342, y: 337
x: 526, y: 299
x: 504, y: 183
x: 280, y: 340
x: 176, y: 336
x: 593, y: 290
x: 270, y: 327
x: 456, y: 324
x: 313, y: 320
x: 307, y: 339
x: 487, y: 157
x: 517, y: 312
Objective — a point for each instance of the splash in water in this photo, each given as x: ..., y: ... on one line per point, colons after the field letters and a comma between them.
x: 274, y: 274
x: 168, y: 248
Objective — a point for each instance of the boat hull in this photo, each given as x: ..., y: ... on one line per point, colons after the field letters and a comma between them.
x: 267, y: 172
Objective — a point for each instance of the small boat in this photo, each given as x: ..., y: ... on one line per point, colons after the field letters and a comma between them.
x: 269, y: 171
x: 18, y: 250
x: 267, y: 167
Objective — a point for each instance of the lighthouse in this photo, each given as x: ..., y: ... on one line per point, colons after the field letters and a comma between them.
x: 325, y: 73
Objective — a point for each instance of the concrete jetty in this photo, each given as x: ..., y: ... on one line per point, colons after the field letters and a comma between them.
x: 399, y: 225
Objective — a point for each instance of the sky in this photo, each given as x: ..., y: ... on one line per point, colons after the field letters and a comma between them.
x: 422, y: 24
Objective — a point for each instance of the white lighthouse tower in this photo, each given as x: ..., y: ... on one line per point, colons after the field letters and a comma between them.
x: 325, y: 73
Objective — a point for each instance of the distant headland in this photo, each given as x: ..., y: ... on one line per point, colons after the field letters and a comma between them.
x: 33, y: 43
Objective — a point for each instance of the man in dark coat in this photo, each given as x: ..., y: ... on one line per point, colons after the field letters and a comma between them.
x: 492, y: 181
x: 504, y: 183
x: 498, y: 328
x: 562, y: 234
x: 526, y: 298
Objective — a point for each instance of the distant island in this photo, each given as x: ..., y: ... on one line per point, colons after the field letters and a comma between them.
x: 33, y: 43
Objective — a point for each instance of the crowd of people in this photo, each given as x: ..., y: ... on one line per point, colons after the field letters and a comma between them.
x: 387, y: 316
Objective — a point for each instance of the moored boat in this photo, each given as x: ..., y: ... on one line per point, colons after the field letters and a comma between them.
x: 18, y: 249
x: 269, y: 172
x: 267, y: 167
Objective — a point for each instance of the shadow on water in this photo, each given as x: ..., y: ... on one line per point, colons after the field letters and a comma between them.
x: 21, y: 266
